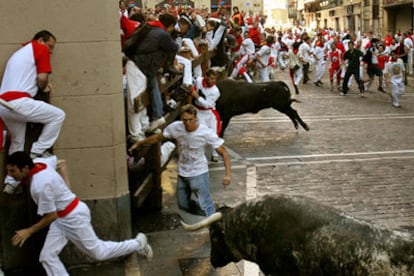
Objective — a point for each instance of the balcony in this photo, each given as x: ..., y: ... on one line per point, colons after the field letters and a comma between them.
x: 315, y: 6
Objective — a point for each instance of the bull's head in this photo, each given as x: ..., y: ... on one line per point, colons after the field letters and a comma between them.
x: 221, y: 252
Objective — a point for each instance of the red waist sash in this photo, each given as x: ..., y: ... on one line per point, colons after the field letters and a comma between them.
x: 68, y: 208
x: 216, y: 114
x: 14, y: 95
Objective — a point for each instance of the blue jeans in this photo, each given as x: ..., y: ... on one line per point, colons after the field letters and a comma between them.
x: 156, y: 100
x: 199, y: 185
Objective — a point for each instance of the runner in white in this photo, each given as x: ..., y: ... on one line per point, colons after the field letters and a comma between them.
x: 27, y: 72
x: 68, y: 218
x: 394, y: 74
x: 205, y: 94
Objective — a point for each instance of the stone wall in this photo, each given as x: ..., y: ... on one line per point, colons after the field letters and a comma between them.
x: 87, y: 85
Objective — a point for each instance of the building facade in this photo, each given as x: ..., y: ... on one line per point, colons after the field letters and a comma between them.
x: 378, y: 16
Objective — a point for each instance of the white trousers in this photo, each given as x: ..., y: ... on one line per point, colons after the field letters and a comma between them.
x: 319, y: 69
x: 197, y: 71
x: 397, y: 89
x: 136, y: 85
x: 187, y: 74
x: 264, y: 73
x: 410, y: 61
x: 76, y: 227
x: 28, y: 110
x: 283, y: 62
x: 297, y: 76
x: 239, y: 65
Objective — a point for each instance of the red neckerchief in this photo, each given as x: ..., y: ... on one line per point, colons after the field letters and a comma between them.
x: 205, y: 85
x: 37, y: 168
x: 157, y: 24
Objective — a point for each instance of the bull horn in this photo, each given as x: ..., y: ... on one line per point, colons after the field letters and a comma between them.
x: 203, y: 223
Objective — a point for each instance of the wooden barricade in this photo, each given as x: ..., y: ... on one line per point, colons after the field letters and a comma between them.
x: 145, y: 184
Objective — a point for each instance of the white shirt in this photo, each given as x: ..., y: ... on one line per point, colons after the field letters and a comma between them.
x: 21, y: 70
x: 192, y: 160
x: 264, y: 55
x: 408, y: 43
x: 48, y: 189
x: 304, y: 51
x: 319, y: 53
x: 247, y: 47
x: 210, y: 94
x: 207, y: 99
x: 394, y: 69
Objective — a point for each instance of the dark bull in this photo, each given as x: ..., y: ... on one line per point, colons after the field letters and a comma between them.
x: 298, y: 236
x: 242, y: 97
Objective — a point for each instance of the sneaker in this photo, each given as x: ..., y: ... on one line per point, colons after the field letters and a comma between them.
x: 145, y: 248
x: 214, y: 159
x: 381, y: 89
x: 45, y: 154
x: 343, y: 94
x: 361, y: 94
x: 155, y: 124
x: 172, y: 104
x: 9, y: 189
x: 11, y: 185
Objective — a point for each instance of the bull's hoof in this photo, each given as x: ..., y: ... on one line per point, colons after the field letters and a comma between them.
x: 306, y: 127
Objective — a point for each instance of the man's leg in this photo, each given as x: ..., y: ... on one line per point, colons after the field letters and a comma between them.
x: 305, y: 72
x: 52, y: 119
x: 348, y: 74
x: 184, y: 200
x: 49, y: 256
x: 136, y: 85
x: 156, y: 100
x: 190, y: 44
x: 239, y: 65
x: 17, y: 131
x: 264, y: 74
x: 360, y: 83
x: 201, y: 188
x: 78, y: 229
x: 188, y: 74
x: 156, y: 104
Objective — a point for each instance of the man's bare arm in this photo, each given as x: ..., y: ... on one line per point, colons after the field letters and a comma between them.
x: 22, y: 235
x: 149, y: 140
x: 227, y: 164
x: 43, y: 82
